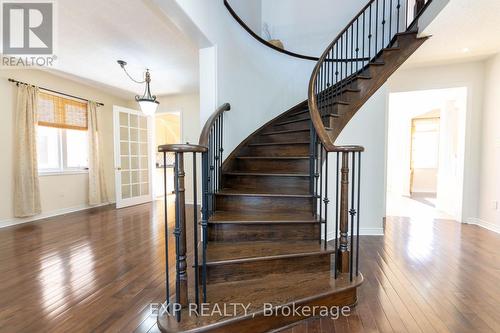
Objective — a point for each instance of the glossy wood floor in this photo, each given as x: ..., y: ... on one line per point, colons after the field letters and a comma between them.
x: 98, y: 271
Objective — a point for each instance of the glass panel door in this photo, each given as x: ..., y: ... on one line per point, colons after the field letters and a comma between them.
x: 132, y: 157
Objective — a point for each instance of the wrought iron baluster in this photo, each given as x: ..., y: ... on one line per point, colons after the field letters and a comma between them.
x: 383, y: 23
x: 337, y: 203
x: 357, y: 216
x: 165, y: 212
x: 320, y: 197
x: 352, y: 212
x: 206, y: 211
x: 195, y: 233
x: 376, y: 27
x: 326, y: 200
x: 390, y: 20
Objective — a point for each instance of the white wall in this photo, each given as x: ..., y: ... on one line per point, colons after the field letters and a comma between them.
x: 489, y: 194
x: 250, y: 12
x: 307, y: 27
x: 189, y: 107
x: 470, y: 76
x: 59, y: 193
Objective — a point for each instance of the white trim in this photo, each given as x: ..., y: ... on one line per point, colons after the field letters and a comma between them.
x: 63, y: 173
x: 15, y: 221
x: 483, y: 224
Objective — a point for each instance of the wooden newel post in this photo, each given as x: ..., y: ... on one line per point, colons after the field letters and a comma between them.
x: 180, y: 232
x: 343, y: 251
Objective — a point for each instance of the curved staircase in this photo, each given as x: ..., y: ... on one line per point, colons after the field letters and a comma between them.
x: 264, y: 223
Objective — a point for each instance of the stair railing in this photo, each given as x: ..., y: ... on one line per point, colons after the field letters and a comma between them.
x: 210, y: 146
x: 345, y: 59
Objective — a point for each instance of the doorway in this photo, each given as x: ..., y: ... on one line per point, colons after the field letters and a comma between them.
x: 132, y: 151
x: 168, y: 130
x: 426, y: 148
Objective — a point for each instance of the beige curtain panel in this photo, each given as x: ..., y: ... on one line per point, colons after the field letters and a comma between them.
x: 97, y: 185
x: 26, y: 185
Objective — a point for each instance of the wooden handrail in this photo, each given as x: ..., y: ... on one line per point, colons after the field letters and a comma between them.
x: 182, y: 148
x: 205, y: 132
x: 312, y: 101
x: 343, y: 37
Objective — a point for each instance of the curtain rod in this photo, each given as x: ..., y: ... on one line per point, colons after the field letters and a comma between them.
x: 57, y: 92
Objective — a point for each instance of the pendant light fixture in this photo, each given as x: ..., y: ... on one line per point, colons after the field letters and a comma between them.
x: 147, y: 102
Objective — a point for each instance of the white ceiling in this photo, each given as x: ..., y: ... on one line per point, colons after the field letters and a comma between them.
x: 464, y: 30
x: 93, y: 34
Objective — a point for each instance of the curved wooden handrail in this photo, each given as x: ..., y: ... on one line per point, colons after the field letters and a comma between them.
x: 262, y: 40
x: 312, y: 100
x: 205, y: 132
x: 182, y: 148
x: 314, y: 111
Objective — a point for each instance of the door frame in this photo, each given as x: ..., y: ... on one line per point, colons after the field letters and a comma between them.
x: 121, y: 203
x: 154, y: 147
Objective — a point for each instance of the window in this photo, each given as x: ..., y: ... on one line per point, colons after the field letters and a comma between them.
x: 62, y: 143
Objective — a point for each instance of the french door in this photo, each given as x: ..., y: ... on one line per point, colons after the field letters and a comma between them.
x: 133, y: 158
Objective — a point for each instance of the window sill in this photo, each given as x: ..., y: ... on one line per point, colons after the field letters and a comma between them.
x: 62, y: 173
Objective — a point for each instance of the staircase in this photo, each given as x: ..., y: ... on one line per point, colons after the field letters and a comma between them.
x: 264, y: 221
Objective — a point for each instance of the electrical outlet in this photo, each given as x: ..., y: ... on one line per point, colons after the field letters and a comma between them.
x: 495, y: 205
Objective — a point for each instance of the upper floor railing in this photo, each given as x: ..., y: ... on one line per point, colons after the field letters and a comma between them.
x: 210, y: 146
x: 359, y: 43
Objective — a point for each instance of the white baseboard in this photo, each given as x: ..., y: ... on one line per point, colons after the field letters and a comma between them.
x: 363, y: 232
x: 483, y: 224
x: 15, y: 221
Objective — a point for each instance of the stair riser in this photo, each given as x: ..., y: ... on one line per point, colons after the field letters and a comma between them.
x: 260, y: 269
x: 278, y: 150
x: 263, y: 204
x: 237, y: 232
x: 348, y: 96
x: 268, y: 184
x: 296, y: 165
x: 297, y: 116
x: 291, y: 126
x: 283, y: 137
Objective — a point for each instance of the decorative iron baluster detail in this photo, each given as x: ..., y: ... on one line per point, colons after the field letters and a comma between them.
x: 165, y: 212
x: 326, y: 200
x: 337, y: 215
x: 195, y: 233
x: 352, y: 213
x: 204, y: 223
x: 357, y: 216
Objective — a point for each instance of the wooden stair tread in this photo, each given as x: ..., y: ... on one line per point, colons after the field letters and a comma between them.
x: 256, y: 193
x: 274, y: 157
x: 285, y: 132
x: 297, y: 113
x: 278, y: 143
x: 224, y: 252
x: 259, y: 217
x: 278, y: 290
x: 266, y: 174
x: 292, y: 121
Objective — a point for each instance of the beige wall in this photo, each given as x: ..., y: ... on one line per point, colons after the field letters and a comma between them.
x: 59, y: 193
x: 189, y: 107
x: 489, y: 194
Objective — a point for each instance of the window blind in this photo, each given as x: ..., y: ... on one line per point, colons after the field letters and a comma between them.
x: 60, y: 112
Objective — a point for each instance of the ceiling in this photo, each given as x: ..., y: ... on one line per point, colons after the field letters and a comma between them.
x: 93, y: 34
x: 464, y: 30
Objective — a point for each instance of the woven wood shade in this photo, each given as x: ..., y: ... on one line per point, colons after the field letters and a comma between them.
x: 60, y: 112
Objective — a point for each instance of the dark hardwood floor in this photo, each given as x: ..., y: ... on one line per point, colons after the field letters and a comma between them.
x: 99, y: 271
